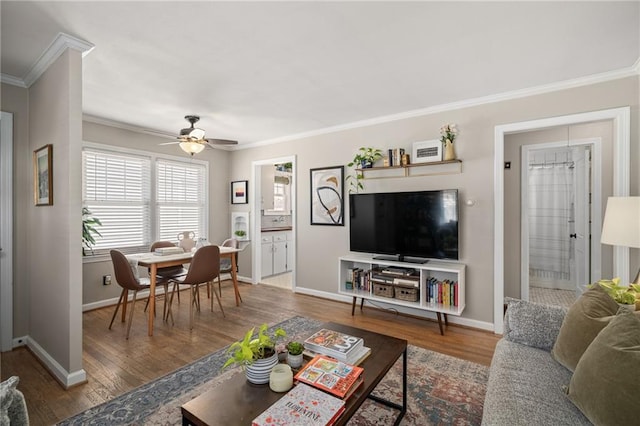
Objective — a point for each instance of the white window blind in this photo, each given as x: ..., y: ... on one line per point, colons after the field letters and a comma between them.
x: 116, y: 189
x: 181, y: 199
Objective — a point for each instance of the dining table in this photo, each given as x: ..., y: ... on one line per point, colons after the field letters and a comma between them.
x: 154, y: 261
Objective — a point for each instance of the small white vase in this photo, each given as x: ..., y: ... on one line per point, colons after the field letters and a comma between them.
x: 281, y: 378
x: 294, y: 361
x: 631, y: 307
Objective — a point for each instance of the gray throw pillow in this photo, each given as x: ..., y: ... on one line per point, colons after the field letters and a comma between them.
x: 586, y: 317
x: 606, y: 383
x: 532, y: 324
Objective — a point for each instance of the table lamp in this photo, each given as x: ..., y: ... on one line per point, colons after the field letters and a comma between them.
x: 622, y: 224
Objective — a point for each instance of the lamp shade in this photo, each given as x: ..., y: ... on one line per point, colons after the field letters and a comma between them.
x: 191, y: 147
x: 622, y: 222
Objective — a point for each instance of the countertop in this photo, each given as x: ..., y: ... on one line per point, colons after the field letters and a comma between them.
x: 282, y: 228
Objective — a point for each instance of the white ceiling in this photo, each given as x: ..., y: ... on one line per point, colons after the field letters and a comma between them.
x: 258, y: 71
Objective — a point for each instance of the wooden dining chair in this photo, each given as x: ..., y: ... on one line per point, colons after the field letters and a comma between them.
x: 204, y: 268
x: 164, y: 276
x: 128, y: 281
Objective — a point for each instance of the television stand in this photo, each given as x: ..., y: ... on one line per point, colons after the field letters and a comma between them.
x: 437, y: 287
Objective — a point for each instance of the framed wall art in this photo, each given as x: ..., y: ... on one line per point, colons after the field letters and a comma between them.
x: 427, y: 151
x: 240, y: 192
x: 43, y: 176
x: 327, y: 196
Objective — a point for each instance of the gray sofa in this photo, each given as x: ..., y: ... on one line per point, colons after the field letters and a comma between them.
x: 526, y: 385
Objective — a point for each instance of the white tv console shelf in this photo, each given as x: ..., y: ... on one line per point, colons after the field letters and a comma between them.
x: 440, y: 286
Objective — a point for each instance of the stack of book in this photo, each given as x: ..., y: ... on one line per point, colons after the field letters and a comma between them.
x: 443, y: 292
x: 327, y: 374
x: 302, y: 405
x: 340, y: 346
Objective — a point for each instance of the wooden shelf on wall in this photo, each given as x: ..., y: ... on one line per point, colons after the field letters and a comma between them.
x: 434, y: 168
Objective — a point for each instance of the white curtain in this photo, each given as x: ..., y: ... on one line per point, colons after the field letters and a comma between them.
x: 550, y: 212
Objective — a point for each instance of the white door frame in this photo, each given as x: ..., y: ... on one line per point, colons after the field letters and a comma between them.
x: 256, y: 252
x: 621, y: 118
x: 595, y: 214
x: 6, y: 231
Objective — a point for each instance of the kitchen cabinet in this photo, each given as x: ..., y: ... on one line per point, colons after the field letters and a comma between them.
x: 276, y: 258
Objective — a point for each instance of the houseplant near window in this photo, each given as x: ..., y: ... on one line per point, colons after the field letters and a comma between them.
x: 88, y: 230
x: 294, y: 356
x: 257, y: 355
x: 364, y: 159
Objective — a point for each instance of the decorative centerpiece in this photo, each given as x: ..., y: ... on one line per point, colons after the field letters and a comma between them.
x: 365, y: 158
x: 448, y: 133
x: 256, y: 355
x: 294, y: 355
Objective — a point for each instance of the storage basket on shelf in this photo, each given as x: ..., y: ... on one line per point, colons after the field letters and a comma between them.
x: 407, y: 294
x: 383, y: 290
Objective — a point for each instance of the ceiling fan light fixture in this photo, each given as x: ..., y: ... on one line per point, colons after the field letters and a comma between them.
x: 196, y: 134
x: 191, y: 147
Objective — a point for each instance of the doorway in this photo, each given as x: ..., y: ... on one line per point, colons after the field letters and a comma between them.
x: 560, y: 220
x: 274, y: 212
x: 620, y: 119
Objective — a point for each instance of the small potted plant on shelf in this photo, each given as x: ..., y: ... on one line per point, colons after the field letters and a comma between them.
x: 256, y: 354
x: 240, y: 233
x: 365, y: 158
x: 294, y: 355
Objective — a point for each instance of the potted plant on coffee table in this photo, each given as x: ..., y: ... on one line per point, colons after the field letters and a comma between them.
x: 623, y: 295
x: 294, y: 355
x: 256, y: 354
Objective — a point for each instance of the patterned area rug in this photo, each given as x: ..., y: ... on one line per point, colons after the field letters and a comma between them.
x: 442, y: 390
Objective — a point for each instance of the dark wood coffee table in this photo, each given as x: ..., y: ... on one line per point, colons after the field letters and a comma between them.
x: 238, y: 402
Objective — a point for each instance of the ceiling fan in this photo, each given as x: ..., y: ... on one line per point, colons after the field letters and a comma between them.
x: 192, y: 140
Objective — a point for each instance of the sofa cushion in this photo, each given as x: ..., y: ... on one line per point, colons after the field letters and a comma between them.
x: 607, y: 378
x: 13, y: 408
x: 532, y: 324
x: 526, y: 387
x: 586, y: 317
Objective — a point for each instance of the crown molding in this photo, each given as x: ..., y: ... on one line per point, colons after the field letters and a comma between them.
x: 57, y: 47
x: 14, y: 81
x: 468, y: 103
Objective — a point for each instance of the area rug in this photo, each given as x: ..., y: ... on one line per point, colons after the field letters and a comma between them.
x: 442, y: 390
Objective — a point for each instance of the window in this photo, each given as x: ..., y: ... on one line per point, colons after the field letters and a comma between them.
x: 141, y: 197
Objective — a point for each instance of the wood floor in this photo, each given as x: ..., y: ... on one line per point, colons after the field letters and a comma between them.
x: 115, y: 365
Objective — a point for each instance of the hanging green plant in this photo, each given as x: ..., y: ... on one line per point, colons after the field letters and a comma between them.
x: 365, y: 158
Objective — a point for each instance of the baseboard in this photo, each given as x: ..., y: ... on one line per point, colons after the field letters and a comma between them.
x: 20, y: 341
x: 467, y: 322
x: 65, y: 378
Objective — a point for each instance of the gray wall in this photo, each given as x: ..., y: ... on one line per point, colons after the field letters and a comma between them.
x: 318, y: 247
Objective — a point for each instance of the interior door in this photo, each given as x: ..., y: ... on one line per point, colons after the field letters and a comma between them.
x: 582, y: 218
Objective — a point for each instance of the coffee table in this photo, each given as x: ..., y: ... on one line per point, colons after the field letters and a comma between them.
x: 238, y: 402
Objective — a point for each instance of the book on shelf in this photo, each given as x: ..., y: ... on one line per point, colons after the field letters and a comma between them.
x: 354, y: 358
x: 302, y: 405
x: 330, y: 375
x: 443, y: 292
x: 333, y: 343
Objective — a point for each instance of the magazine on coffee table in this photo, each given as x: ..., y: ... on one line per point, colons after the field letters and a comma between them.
x: 303, y: 405
x: 330, y: 375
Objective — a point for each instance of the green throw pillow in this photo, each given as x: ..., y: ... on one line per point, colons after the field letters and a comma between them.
x: 586, y: 317
x: 606, y: 383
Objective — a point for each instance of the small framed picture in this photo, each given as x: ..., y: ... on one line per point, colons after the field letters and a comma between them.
x: 240, y: 192
x: 327, y: 196
x: 427, y: 151
x: 43, y: 176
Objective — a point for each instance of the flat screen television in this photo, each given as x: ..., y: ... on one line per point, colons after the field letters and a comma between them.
x: 406, y: 226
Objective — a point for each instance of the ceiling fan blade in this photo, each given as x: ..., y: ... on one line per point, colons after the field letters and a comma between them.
x: 169, y: 143
x: 221, y: 141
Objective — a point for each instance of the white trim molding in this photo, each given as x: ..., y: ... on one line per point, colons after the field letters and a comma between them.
x: 64, y: 377
x: 621, y: 118
x: 6, y: 231
x: 57, y: 47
